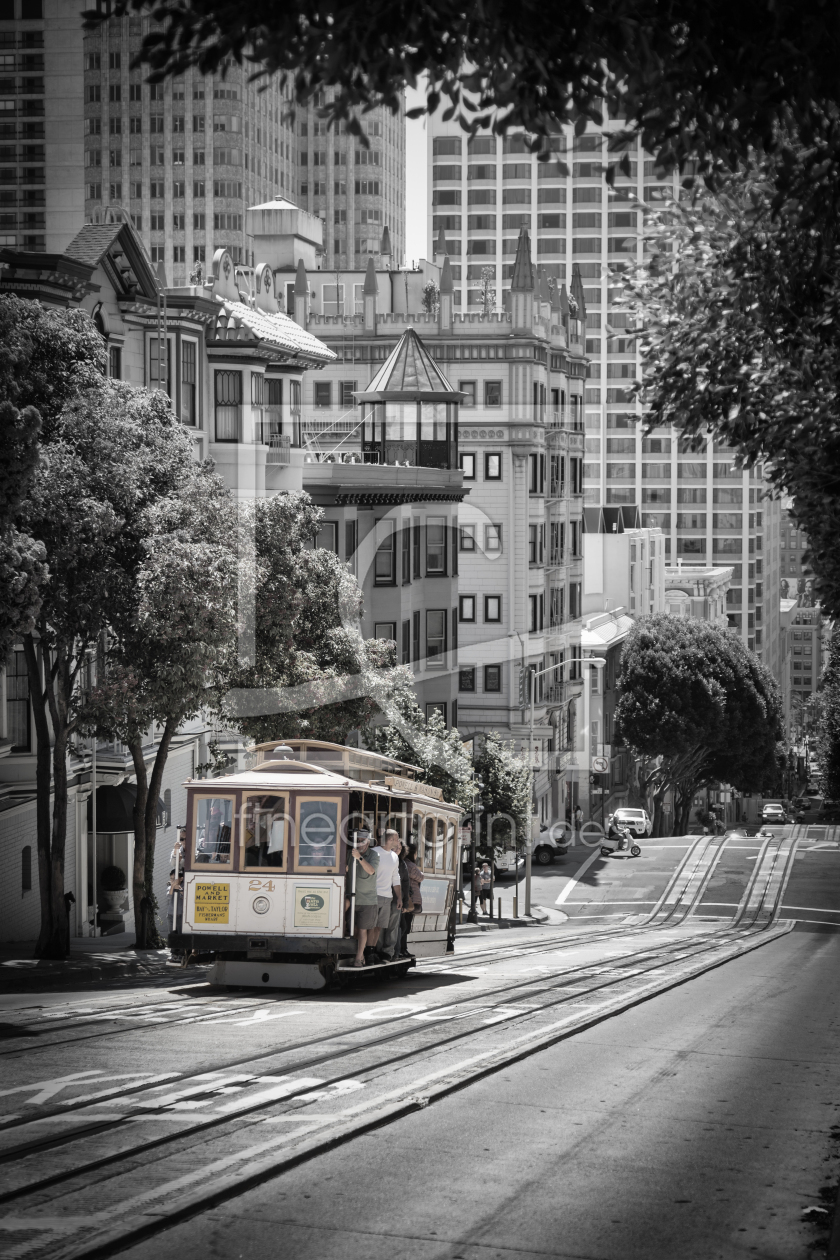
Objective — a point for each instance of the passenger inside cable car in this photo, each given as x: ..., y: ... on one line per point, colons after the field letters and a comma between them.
x: 213, y: 829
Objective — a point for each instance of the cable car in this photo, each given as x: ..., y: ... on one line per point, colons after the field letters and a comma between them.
x: 266, y: 859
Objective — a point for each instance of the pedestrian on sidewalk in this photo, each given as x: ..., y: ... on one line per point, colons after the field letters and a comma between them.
x: 485, y: 883
x: 578, y: 816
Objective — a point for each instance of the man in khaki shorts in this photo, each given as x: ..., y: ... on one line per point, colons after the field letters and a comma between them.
x: 367, y: 903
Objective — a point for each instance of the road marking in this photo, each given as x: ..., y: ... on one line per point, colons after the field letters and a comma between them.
x: 811, y: 909
x: 574, y: 878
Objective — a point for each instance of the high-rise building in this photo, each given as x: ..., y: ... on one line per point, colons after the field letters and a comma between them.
x: 356, y: 186
x: 81, y: 130
x: 41, y: 120
x: 483, y: 190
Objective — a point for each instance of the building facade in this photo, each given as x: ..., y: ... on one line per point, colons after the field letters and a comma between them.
x: 80, y: 131
x: 483, y: 189
x: 518, y: 547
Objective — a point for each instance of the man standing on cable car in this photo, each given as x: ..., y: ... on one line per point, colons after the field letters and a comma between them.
x: 367, y: 902
x: 389, y: 890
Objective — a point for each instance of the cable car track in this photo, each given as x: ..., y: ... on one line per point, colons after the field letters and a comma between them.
x: 677, y: 887
x: 757, y: 912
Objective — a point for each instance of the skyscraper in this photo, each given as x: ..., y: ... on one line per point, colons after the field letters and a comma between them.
x: 483, y: 190
x: 80, y: 130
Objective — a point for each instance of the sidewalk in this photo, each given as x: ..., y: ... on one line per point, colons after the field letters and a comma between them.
x: 93, y: 961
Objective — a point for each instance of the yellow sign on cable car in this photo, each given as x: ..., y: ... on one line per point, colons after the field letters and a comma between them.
x: 212, y: 903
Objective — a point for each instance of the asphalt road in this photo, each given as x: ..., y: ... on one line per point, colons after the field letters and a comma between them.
x: 696, y: 1125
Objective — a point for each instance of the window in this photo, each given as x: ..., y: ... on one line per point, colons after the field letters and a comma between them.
x: 386, y: 630
x: 213, y: 830
x: 415, y: 548
x: 405, y: 549
x: 466, y: 608
x: 317, y: 834
x: 346, y: 392
x: 492, y: 678
x: 405, y: 654
x: 264, y: 820
x: 228, y: 398
x: 467, y: 462
x: 532, y: 544
x: 492, y: 393
x: 492, y: 466
x: 384, y: 572
x: 415, y: 636
x: 436, y: 706
x: 492, y: 540
x: 17, y: 702
x: 492, y: 608
x: 467, y: 542
x: 436, y: 545
x: 533, y: 605
x: 435, y: 635
x: 115, y: 362
x: 466, y: 678
x: 188, y: 382
x: 323, y: 393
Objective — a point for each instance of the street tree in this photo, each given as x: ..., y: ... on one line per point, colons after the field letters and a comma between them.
x: 439, y: 754
x: 111, y: 453
x: 45, y: 356
x: 171, y: 639
x: 675, y: 72
x: 696, y: 700
x: 506, y: 793
x: 487, y: 290
x: 738, y: 310
x: 828, y: 726
x: 22, y: 568
x: 311, y: 673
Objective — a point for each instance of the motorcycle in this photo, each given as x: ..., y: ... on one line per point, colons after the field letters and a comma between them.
x: 618, y: 840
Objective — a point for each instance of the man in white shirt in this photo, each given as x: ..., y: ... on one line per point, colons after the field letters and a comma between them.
x: 388, y: 892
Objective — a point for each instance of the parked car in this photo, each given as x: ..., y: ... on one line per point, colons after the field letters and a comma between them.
x: 636, y: 820
x: 773, y: 813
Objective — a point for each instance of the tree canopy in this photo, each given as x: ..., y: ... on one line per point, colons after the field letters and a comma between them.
x: 828, y: 723
x: 311, y: 672
x: 676, y: 70
x: 440, y: 754
x: 696, y: 703
x: 738, y: 310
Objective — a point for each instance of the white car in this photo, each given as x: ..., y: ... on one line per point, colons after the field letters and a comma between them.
x: 635, y: 820
x: 773, y: 814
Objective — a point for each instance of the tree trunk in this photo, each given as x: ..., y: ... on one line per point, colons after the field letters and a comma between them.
x: 43, y: 789
x: 59, y: 688
x: 151, y: 822
x: 138, y: 874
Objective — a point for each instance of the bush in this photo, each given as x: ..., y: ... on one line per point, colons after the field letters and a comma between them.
x: 113, y: 879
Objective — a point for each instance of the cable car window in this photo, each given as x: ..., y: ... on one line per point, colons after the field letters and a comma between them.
x: 264, y: 821
x: 429, y: 846
x: 440, y: 845
x: 213, y: 829
x: 317, y: 834
x: 450, y: 844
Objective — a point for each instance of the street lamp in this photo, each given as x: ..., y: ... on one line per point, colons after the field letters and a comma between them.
x: 598, y: 662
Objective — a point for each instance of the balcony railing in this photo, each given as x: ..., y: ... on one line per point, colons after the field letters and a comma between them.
x: 279, y: 449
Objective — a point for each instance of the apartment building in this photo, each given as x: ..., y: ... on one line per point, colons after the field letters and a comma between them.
x: 797, y: 580
x: 515, y: 420
x: 483, y: 190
